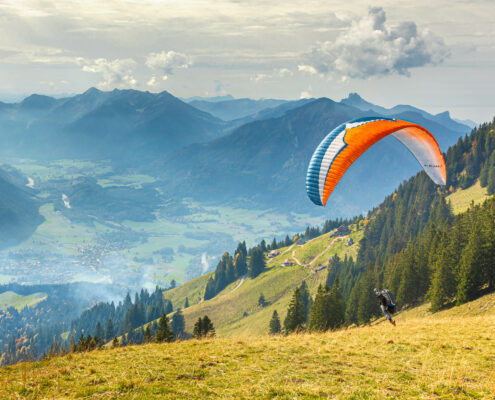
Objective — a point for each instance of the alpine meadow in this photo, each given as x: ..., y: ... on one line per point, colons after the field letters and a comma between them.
x: 247, y: 200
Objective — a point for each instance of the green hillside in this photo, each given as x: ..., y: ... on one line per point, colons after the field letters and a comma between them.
x: 461, y: 199
x: 421, y: 358
x: 12, y: 299
x: 235, y: 310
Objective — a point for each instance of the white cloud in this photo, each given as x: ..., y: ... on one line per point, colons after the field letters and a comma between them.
x: 368, y: 48
x: 307, y: 68
x: 152, y: 82
x: 260, y: 77
x: 283, y: 72
x: 306, y: 94
x: 167, y: 61
x: 114, y: 73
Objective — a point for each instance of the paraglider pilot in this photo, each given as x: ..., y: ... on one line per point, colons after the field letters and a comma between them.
x: 387, y: 303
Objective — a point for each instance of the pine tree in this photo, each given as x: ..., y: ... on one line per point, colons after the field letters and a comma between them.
x: 294, y: 321
x: 261, y: 300
x: 256, y: 264
x: 164, y: 333
x: 367, y: 304
x: 198, y: 329
x: 488, y: 233
x: 148, y: 337
x: 319, y: 315
x: 337, y: 305
x: 287, y: 241
x: 274, y: 327
x: 208, y: 328
x: 186, y: 303
x: 471, y: 267
x: 110, y: 331
x: 99, y: 333
x: 491, y: 179
x: 353, y: 304
x: 306, y: 299
x: 443, y: 285
x: 263, y: 245
x: 209, y: 289
x: 178, y: 324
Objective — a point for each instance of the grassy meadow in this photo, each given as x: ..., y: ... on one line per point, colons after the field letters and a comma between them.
x: 448, y: 356
x: 461, y: 199
x: 12, y: 299
x: 235, y: 309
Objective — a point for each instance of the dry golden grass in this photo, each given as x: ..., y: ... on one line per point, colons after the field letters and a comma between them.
x: 461, y: 199
x: 446, y: 357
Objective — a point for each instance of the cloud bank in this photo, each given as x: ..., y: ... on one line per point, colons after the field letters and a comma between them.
x: 370, y: 48
x: 167, y: 61
x: 114, y: 73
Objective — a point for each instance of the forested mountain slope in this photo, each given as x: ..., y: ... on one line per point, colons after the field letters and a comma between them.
x: 19, y: 214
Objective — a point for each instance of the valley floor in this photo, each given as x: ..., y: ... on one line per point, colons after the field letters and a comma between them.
x: 450, y: 356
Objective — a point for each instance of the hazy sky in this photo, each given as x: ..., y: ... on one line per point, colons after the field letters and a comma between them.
x: 435, y: 54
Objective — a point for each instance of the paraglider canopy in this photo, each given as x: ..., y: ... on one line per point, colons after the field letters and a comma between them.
x: 346, y: 143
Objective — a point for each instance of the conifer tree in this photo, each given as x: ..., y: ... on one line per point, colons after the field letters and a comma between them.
x: 198, y: 329
x: 443, y: 285
x: 306, y: 299
x: 209, y: 289
x: 256, y: 264
x: 337, y: 305
x: 489, y: 235
x: 320, y: 312
x: 287, y: 241
x: 164, y: 333
x: 186, y: 303
x: 352, y: 305
x: 110, y: 331
x: 263, y: 245
x: 367, y: 303
x: 208, y: 328
x: 294, y: 321
x: 178, y: 324
x: 148, y: 337
x: 471, y: 267
x: 274, y: 327
x: 99, y: 333
x: 261, y: 300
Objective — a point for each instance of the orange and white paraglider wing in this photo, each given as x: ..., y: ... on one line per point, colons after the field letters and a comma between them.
x: 345, y: 144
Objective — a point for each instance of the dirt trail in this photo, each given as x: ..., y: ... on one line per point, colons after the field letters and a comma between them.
x: 239, y: 284
x: 323, y: 252
x: 312, y: 262
x: 296, y: 260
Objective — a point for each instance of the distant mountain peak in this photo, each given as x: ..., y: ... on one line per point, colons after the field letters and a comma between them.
x: 355, y: 100
x: 92, y: 90
x: 353, y: 96
x: 37, y: 101
x: 444, y: 114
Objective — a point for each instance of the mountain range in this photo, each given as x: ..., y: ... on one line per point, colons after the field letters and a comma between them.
x: 116, y: 125
x: 239, y: 151
x: 263, y: 163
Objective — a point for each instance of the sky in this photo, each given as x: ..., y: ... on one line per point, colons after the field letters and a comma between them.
x: 434, y: 54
